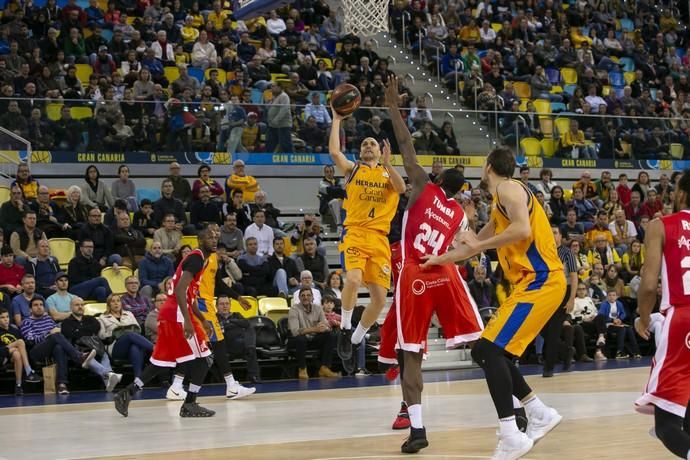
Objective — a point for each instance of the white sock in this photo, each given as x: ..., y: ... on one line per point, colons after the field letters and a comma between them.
x: 177, y: 383
x: 358, y: 335
x: 534, y: 406
x: 139, y: 384
x: 230, y: 381
x: 507, y: 426
x: 346, y: 319
x: 28, y: 370
x: 415, y: 412
x: 194, y: 388
x: 688, y: 455
x: 516, y: 403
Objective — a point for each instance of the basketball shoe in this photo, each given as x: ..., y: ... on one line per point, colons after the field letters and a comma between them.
x: 402, y: 421
x: 175, y: 395
x: 539, y: 424
x: 415, y: 442
x: 512, y: 447
x: 239, y: 392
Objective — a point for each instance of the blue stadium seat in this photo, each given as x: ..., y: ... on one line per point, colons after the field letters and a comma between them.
x: 558, y: 107
x: 570, y: 89
x: 627, y: 64
x: 196, y: 72
x: 151, y: 193
x: 107, y: 35
x: 554, y: 75
x: 627, y: 25
x: 616, y: 79
x: 257, y: 96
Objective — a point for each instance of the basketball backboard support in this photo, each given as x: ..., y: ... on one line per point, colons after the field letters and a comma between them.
x: 248, y: 9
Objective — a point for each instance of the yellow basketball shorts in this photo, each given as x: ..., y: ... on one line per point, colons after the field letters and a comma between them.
x: 525, y: 312
x: 209, y: 312
x: 368, y: 251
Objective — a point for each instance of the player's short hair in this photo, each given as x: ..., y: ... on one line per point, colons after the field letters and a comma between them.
x: 452, y: 180
x: 502, y: 161
x: 684, y: 185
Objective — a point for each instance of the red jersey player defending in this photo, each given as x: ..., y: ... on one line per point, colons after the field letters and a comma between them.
x: 431, y: 221
x: 181, y: 335
x: 667, y: 243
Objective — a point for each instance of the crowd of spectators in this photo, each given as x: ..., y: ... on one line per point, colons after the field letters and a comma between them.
x: 627, y: 60
x: 188, y: 76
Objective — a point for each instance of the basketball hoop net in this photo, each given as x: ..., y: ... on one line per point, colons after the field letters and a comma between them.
x: 365, y: 18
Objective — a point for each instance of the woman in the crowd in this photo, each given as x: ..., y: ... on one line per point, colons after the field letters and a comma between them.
x: 94, y: 192
x: 123, y: 187
x: 216, y: 188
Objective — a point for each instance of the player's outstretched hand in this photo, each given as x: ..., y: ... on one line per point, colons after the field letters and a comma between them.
x: 391, y: 94
x: 336, y: 115
x: 469, y: 240
x: 244, y: 303
x: 642, y: 327
x: 386, y: 153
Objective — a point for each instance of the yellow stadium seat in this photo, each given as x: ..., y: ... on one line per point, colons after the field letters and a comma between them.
x: 497, y: 26
x: 235, y: 307
x: 116, y: 281
x: 279, y: 76
x: 567, y: 194
x: 130, y: 20
x: 84, y: 71
x: 190, y: 240
x: 677, y: 151
x: 543, y: 106
x: 549, y: 146
x: 530, y: 146
x: 171, y: 73
x: 328, y: 62
x: 80, y: 113
x: 149, y: 243
x: 267, y: 304
x: 94, y: 309
x: 522, y: 89
x: 569, y: 76
x: 626, y: 147
x: 629, y: 77
x: 267, y: 96
x: 523, y: 105
x: 562, y: 125
x: 222, y: 75
x: 546, y: 125
x: 4, y: 194
x: 556, y: 89
x: 605, y: 90
x: 63, y: 250
x: 54, y: 111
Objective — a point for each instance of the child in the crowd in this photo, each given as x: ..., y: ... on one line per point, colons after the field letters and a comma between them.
x: 614, y: 314
x: 12, y: 347
x: 332, y: 317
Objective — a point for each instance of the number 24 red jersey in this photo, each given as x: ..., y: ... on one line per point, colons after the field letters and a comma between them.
x: 675, y: 264
x: 430, y: 225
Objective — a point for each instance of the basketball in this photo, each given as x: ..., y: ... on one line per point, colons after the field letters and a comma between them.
x: 346, y: 99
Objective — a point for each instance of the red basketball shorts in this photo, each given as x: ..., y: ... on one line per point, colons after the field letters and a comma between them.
x: 172, y: 347
x: 440, y: 289
x: 668, y: 387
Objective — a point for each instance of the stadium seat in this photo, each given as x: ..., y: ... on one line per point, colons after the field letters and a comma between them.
x: 222, y: 75
x: 677, y: 151
x: 328, y: 62
x: 605, y: 90
x: 267, y: 304
x: 570, y: 89
x: 94, y: 309
x: 256, y: 96
x: 553, y: 75
x: 196, y: 73
x: 190, y: 240
x: 172, y: 73
x: 558, y: 107
x: 569, y: 76
x: 629, y: 77
x: 4, y: 194
x: 63, y: 250
x: 149, y: 243
x: 522, y: 89
x: 546, y: 126
x: 84, y: 71
x: 530, y: 146
x: 543, y: 106
x: 54, y: 111
x: 556, y: 89
x: 627, y: 148
x: 235, y: 307
x: 627, y: 25
x: 80, y: 113
x: 152, y: 194
x: 107, y: 34
x: 616, y: 79
x: 497, y: 26
x: 116, y: 281
x: 627, y: 64
x: 562, y: 125
x: 549, y: 147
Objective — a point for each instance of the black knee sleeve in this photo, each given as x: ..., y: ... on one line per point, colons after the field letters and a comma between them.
x: 484, y: 351
x: 669, y: 430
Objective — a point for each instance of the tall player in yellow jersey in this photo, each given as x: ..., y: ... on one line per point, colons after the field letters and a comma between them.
x: 521, y: 233
x: 372, y: 189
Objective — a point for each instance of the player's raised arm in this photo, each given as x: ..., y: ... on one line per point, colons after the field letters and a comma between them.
x: 646, y: 295
x: 415, y: 173
x: 339, y: 159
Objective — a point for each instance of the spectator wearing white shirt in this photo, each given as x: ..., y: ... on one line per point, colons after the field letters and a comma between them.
x: 204, y: 53
x: 262, y: 232
x: 306, y: 280
x: 162, y: 49
x: 275, y: 24
x: 487, y: 34
x: 317, y: 110
x: 595, y: 101
x: 623, y: 231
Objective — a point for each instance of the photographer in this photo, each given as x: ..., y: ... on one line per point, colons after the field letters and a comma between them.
x: 310, y: 228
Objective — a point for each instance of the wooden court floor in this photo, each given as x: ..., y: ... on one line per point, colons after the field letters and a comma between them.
x: 599, y: 423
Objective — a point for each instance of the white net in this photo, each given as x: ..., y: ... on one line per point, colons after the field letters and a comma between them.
x: 365, y: 18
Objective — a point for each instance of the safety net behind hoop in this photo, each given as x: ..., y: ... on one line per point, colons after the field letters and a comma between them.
x: 365, y: 18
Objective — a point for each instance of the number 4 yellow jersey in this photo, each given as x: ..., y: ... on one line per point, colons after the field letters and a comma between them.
x: 371, y: 201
